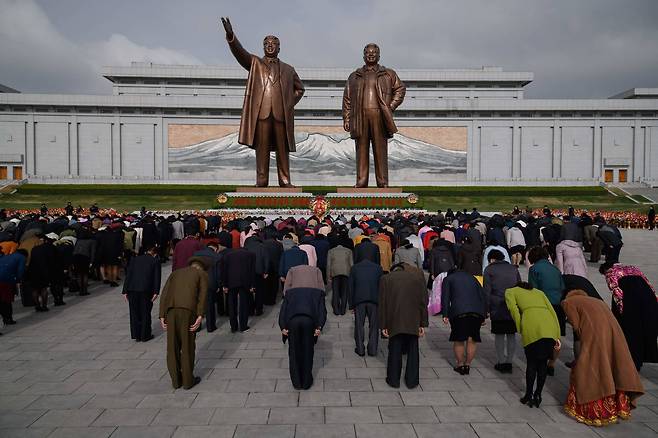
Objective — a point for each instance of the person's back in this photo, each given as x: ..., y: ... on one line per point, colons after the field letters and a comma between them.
x: 442, y: 258
x: 462, y: 294
x: 469, y: 257
x: 533, y: 314
x: 238, y: 269
x: 544, y: 276
x: 570, y: 258
x: 143, y: 275
x: 364, y: 281
x: 291, y: 257
x: 367, y: 250
x: 498, y: 277
x: 408, y: 254
x: 403, y: 301
x: 184, y: 250
x: 186, y: 288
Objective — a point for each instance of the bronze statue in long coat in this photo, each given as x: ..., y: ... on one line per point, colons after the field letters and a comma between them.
x: 268, y: 113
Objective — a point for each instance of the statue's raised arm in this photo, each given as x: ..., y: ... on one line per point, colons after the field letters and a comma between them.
x: 241, y: 55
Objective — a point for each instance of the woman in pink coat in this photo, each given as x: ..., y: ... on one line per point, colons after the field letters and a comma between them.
x: 570, y: 258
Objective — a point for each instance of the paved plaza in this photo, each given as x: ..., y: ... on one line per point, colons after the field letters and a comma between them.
x: 74, y: 371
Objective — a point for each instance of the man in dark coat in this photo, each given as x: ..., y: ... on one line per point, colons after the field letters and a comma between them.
x: 321, y: 245
x: 267, y: 122
x: 254, y: 244
x: 238, y: 272
x: 274, y: 250
x: 213, y: 261
x: 612, y: 242
x: 402, y: 318
x: 182, y: 306
x: 140, y: 289
x: 366, y: 250
x: 301, y: 319
x: 291, y: 257
x: 363, y: 298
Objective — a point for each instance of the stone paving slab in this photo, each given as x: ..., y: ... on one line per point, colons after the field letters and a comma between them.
x: 75, y: 372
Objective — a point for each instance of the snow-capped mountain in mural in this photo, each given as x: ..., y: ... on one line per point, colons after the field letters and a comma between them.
x: 326, y: 154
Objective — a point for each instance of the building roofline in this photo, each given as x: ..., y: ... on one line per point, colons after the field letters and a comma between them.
x: 636, y: 92
x: 148, y: 70
x: 322, y: 103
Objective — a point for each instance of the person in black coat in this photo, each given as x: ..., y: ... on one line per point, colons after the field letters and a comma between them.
x: 363, y: 298
x: 109, y: 252
x: 213, y: 261
x: 238, y: 271
x: 254, y: 244
x: 302, y: 316
x: 366, y: 250
x: 40, y: 272
x: 140, y: 289
x: 274, y: 249
x: 321, y: 245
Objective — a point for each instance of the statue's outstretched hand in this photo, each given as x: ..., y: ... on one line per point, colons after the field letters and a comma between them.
x: 227, y: 27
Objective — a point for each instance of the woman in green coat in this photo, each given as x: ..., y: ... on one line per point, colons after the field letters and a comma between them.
x: 537, y: 322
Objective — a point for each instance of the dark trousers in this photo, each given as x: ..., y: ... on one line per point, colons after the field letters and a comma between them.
x: 211, y: 316
x: 57, y: 289
x: 7, y: 311
x: 238, y: 308
x: 373, y: 131
x: 259, y: 295
x: 301, y: 347
x: 612, y: 254
x: 396, y: 345
x: 361, y: 311
x: 181, y: 345
x: 339, y: 294
x: 140, y: 305
x: 221, y: 303
x: 271, y: 288
x: 270, y: 135
x: 595, y: 250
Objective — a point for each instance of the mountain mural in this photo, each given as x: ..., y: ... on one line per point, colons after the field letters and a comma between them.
x: 330, y: 155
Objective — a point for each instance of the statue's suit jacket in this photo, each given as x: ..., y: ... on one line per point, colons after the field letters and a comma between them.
x: 292, y: 91
x: 390, y: 91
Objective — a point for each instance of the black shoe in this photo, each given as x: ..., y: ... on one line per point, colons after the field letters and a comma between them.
x: 106, y: 281
x: 114, y: 284
x: 459, y: 369
x: 210, y: 330
x: 466, y: 370
x: 507, y: 368
x: 500, y: 367
x: 83, y: 294
x: 148, y: 338
x: 10, y: 322
x: 550, y: 371
x: 60, y: 303
x: 388, y: 382
x: 536, y: 400
x: 359, y: 353
x: 245, y: 330
x: 526, y: 400
x: 194, y: 383
x: 45, y: 309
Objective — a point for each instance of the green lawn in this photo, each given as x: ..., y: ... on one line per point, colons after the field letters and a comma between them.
x: 184, y: 197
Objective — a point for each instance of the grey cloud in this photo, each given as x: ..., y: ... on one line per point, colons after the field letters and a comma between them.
x: 584, y: 48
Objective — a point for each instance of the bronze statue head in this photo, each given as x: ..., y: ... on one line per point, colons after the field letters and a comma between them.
x: 271, y: 46
x: 371, y: 54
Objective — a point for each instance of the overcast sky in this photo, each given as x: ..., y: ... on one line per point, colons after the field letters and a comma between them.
x: 576, y: 48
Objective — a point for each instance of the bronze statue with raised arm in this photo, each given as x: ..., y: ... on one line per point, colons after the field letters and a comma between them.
x: 267, y: 122
x: 371, y: 94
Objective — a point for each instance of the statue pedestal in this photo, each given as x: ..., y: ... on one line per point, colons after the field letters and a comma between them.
x: 252, y: 189
x: 372, y: 190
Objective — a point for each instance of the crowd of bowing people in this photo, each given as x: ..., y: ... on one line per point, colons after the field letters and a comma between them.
x: 392, y: 270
